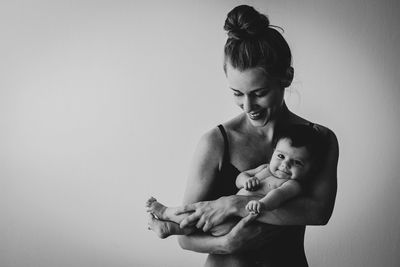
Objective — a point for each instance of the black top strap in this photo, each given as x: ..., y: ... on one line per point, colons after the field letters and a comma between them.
x: 226, y: 144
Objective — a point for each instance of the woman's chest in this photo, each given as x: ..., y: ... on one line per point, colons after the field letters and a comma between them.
x: 250, y: 154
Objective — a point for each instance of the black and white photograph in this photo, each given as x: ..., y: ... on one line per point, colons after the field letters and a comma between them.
x: 199, y: 133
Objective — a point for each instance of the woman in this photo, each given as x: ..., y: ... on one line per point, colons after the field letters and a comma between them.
x: 257, y: 64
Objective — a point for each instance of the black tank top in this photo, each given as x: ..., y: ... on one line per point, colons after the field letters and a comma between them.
x: 225, y: 183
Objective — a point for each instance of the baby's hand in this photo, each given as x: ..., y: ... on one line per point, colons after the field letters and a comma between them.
x: 254, y: 206
x: 252, y: 183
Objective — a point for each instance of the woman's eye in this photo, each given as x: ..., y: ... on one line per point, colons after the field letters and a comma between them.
x: 261, y: 93
x: 237, y: 94
x: 280, y: 156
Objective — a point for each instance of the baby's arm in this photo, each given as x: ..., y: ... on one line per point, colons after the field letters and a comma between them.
x: 275, y: 197
x: 250, y: 179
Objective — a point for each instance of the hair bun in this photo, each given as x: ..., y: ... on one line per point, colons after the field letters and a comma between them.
x: 244, y: 22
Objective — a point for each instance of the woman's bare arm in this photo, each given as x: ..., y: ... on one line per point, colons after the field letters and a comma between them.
x: 203, y: 171
x: 206, y: 163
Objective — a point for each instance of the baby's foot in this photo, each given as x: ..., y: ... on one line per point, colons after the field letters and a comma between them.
x: 156, y: 208
x: 161, y: 228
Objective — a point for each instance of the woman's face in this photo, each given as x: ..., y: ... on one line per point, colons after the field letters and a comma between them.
x: 259, y: 97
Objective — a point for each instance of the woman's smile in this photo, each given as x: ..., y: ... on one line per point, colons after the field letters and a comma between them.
x: 256, y: 115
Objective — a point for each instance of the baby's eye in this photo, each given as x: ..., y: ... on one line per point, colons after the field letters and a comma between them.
x: 280, y: 156
x: 298, y: 163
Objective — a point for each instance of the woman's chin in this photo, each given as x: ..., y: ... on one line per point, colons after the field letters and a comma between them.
x: 258, y: 122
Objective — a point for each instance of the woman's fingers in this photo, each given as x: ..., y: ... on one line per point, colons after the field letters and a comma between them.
x: 207, y: 226
x: 200, y: 223
x: 185, y: 209
x: 190, y: 220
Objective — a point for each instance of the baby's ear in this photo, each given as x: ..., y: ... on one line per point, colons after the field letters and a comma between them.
x: 287, y: 80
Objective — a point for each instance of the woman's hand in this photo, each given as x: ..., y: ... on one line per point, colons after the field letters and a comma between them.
x: 246, y: 235
x: 242, y: 233
x: 206, y: 214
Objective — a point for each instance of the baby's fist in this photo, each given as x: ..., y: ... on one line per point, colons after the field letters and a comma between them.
x: 253, y: 206
x: 252, y: 183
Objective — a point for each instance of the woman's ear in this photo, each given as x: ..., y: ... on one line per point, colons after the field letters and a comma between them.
x: 287, y: 80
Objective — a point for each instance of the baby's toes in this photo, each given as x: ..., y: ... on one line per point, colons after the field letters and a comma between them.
x: 150, y: 201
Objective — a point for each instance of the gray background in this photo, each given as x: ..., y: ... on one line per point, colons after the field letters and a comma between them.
x: 102, y: 104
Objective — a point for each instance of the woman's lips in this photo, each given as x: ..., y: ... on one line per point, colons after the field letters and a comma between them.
x: 255, y: 115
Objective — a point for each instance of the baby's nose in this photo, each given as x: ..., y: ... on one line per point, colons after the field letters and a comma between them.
x: 285, y: 164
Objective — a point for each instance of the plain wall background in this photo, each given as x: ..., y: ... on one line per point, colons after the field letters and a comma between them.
x: 102, y: 104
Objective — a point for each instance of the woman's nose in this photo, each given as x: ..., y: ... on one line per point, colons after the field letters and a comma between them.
x: 247, y: 104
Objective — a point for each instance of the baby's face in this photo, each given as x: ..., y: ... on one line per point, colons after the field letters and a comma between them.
x: 288, y: 162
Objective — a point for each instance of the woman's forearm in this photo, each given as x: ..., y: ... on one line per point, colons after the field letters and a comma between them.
x: 299, y: 211
x: 242, y: 237
x: 204, y: 243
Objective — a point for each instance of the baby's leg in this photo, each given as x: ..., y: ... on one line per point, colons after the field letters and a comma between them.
x: 163, y: 229
x: 162, y: 212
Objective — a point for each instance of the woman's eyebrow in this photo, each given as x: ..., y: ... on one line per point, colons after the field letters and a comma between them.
x: 252, y: 91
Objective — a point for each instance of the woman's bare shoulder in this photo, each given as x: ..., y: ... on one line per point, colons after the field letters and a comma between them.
x: 212, y: 139
x: 235, y: 125
x: 296, y: 119
x: 325, y: 132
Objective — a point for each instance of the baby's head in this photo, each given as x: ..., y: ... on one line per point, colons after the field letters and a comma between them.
x: 297, y: 151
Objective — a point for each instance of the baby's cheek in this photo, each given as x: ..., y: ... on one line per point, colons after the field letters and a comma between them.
x: 298, y: 174
x: 294, y: 173
x: 273, y: 166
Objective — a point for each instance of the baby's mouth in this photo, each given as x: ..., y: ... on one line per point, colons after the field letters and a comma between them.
x: 284, y: 172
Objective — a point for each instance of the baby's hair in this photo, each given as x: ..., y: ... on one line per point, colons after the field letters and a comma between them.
x: 302, y: 135
x: 254, y: 43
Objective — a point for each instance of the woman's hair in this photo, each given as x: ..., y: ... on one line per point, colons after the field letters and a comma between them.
x: 253, y: 43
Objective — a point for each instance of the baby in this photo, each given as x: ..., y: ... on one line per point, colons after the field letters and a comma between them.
x: 297, y: 154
